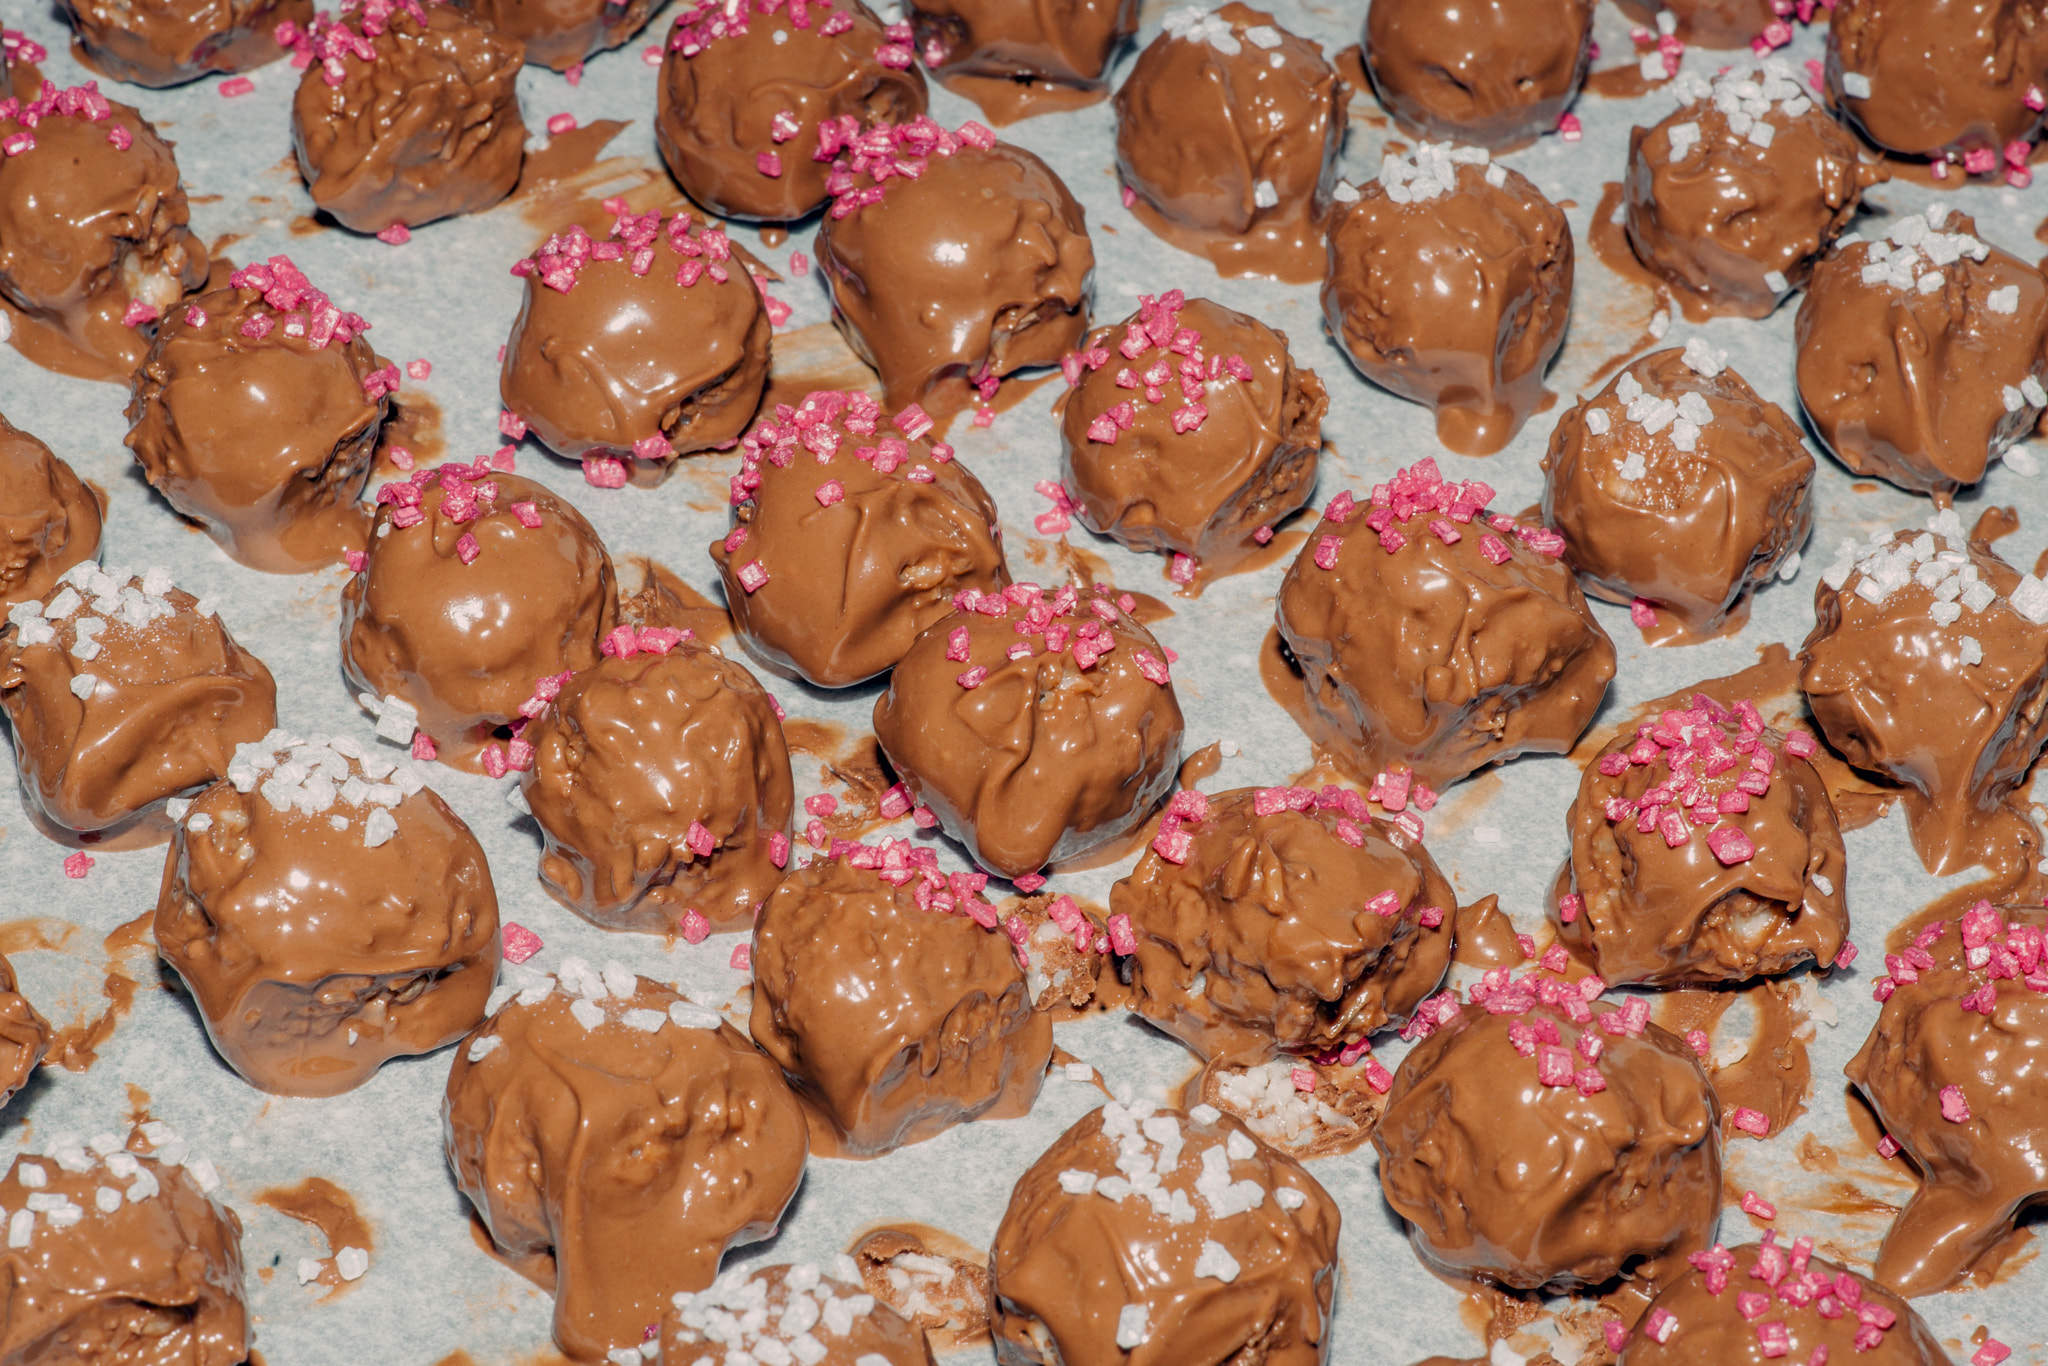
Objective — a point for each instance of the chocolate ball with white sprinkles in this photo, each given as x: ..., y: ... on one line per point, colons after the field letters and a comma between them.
x: 795, y: 1314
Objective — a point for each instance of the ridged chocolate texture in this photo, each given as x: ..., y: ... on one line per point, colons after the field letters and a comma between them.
x: 1720, y: 24
x: 559, y: 34
x: 795, y: 1299
x: 49, y: 519
x: 1020, y: 59
x: 1947, y: 77
x: 168, y: 42
x: 24, y: 1035
x: 1492, y: 73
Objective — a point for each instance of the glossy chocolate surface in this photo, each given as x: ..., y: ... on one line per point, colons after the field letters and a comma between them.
x: 1492, y: 73
x: 1018, y: 58
x: 49, y: 519
x: 169, y: 42
x: 1945, y: 77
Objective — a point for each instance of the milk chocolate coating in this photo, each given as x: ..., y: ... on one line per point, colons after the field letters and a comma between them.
x: 168, y: 42
x: 730, y: 88
x: 1714, y: 1330
x: 1717, y: 221
x: 593, y: 364
x: 1981, y: 1172
x: 171, y: 700
x: 24, y: 1035
x: 1910, y: 386
x: 1016, y: 60
x: 1719, y: 24
x: 156, y: 1279
x: 1947, y: 77
x: 702, y: 1326
x: 265, y: 440
x: 1458, y: 302
x: 895, y: 1022
x: 1065, y: 1266
x: 1505, y: 1178
x: 1203, y: 133
x: 1663, y: 915
x: 631, y: 755
x: 1490, y: 73
x: 1887, y: 683
x: 427, y: 128
x: 1204, y: 491
x: 634, y: 1151
x: 49, y: 519
x: 851, y: 582
x: 1436, y: 656
x: 559, y: 34
x: 1261, y: 939
x: 87, y: 230
x: 1696, y: 532
x: 465, y: 644
x: 314, y: 954
x: 1048, y: 755
x: 980, y: 267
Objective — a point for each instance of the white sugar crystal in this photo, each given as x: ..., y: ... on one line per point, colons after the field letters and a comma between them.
x: 1079, y: 1071
x: 200, y: 823
x: 1775, y: 281
x: 408, y: 780
x: 202, y: 1172
x: 483, y: 1047
x: 1788, y: 568
x: 1345, y: 192
x: 397, y: 719
x: 156, y: 581
x: 2030, y: 599
x: 1978, y: 596
x: 1597, y: 421
x: 618, y: 981
x: 1205, y: 1114
x: 1761, y: 133
x: 1263, y: 36
x: 1972, y: 652
x: 2022, y: 463
x: 1130, y: 1326
x: 63, y: 605
x: 1945, y: 613
x: 1930, y: 283
x: 42, y: 1202
x: 646, y: 1021
x: 690, y: 1015
x: 1240, y: 1147
x: 2031, y: 390
x: 352, y: 1262
x: 536, y: 992
x: 1694, y: 408
x: 1685, y: 435
x: 1627, y: 389
x: 108, y: 1199
x: 588, y: 1013
x: 1856, y: 85
x: 1871, y: 590
x: 21, y: 1225
x: 123, y: 1164
x: 1683, y: 138
x: 157, y: 1133
x: 66, y: 1215
x: 378, y: 828
x: 176, y: 807
x: 1264, y: 195
x: 1652, y: 67
x: 1496, y: 176
x: 1634, y: 467
x: 1216, y: 1262
x: 2005, y: 300
x: 1113, y: 1188
x: 837, y: 1316
x: 82, y: 686
x: 2014, y: 399
x: 1077, y: 1182
x: 105, y: 1142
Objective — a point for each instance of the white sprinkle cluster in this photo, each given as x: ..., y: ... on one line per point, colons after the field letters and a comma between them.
x: 1917, y: 253
x: 1432, y: 170
x: 123, y: 1179
x: 589, y: 989
x: 336, y: 778
x: 1744, y: 97
x: 1265, y: 1099
x: 92, y: 599
x: 739, y: 1314
x: 1938, y: 560
x: 1684, y: 416
x: 1198, y: 26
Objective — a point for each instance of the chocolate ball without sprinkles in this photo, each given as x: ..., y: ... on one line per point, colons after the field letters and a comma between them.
x: 161, y: 43
x: 1016, y: 61
x: 1496, y: 74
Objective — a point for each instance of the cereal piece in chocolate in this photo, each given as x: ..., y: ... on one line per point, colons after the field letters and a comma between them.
x: 49, y: 518
x: 560, y: 34
x: 168, y: 42
x: 1955, y: 80
x: 1494, y: 73
x: 813, y: 1318
x: 1017, y: 60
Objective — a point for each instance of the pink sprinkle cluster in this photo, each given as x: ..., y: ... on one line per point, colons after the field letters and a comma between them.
x: 1063, y: 622
x: 1420, y: 494
x: 1690, y: 753
x: 1788, y: 1278
x: 901, y: 863
x: 864, y: 161
x: 19, y: 47
x: 697, y: 28
x: 705, y: 251
x: 306, y: 310
x: 328, y: 40
x: 1157, y: 329
x: 2000, y: 952
x: 1537, y: 1000
x: 79, y: 102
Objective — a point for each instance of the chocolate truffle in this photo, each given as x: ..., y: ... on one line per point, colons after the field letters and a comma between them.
x: 629, y: 1135
x: 1952, y: 1068
x: 168, y: 42
x: 1493, y: 73
x: 978, y: 267
x: 1034, y: 725
x: 49, y: 519
x: 593, y: 366
x: 118, y: 1253
x: 1152, y: 1235
x: 478, y: 587
x: 1921, y: 358
x: 894, y: 1005
x: 1434, y: 633
x: 256, y: 414
x: 1811, y: 1310
x: 1704, y: 849
x: 1526, y: 1147
x: 1928, y: 663
x: 1268, y: 919
x: 1953, y: 79
x: 1734, y: 198
x: 841, y: 552
x: 1450, y: 282
x: 408, y: 114
x: 1016, y: 60
x: 93, y: 237
x: 124, y: 692
x: 813, y: 1318
x: 1190, y: 431
x: 327, y: 912
x: 24, y: 1035
x: 758, y: 98
x: 1227, y: 133
x: 560, y: 34
x: 1680, y: 490
x: 661, y: 786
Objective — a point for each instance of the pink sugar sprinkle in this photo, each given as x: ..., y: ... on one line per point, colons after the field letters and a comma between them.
x: 1495, y: 549
x: 559, y: 124
x: 778, y: 849
x: 778, y: 312
x: 138, y: 313
x: 1568, y: 127
x: 1304, y: 1079
x: 494, y: 762
x: 972, y: 678
x: 1774, y: 1338
x: 511, y: 424
x: 1801, y: 745
x: 1378, y: 1077
x: 1173, y: 845
x: 1263, y: 535
x: 236, y: 86
x: 1750, y: 1121
x: 1130, y: 196
x: 1955, y: 1107
x: 467, y: 549
x: 896, y: 802
x: 914, y: 422
x: 696, y: 929
x: 752, y: 575
x: 1698, y: 1042
x: 1660, y: 1323
x: 1990, y: 1353
x: 1554, y: 1066
x: 1123, y: 939
x: 528, y: 515
x: 423, y: 747
x: 699, y: 840
x: 1616, y: 1333
x: 78, y: 865
x: 1642, y: 614
x: 1731, y: 846
x: 604, y: 472
x: 1568, y: 907
x: 799, y: 264
x: 397, y: 235
x: 520, y: 942
x: 830, y: 492
x: 768, y: 164
x: 1755, y: 1204
x: 1181, y: 569
x: 1327, y: 549
x: 419, y: 369
x: 1887, y: 1146
x: 1556, y: 960
x: 651, y: 54
x: 574, y: 75
x: 742, y: 957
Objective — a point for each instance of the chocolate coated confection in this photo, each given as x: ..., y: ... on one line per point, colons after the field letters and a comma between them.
x: 1197, y: 451
x: 1738, y: 193
x: 1704, y: 848
x: 832, y: 569
x: 426, y: 126
x: 1721, y: 24
x: 1952, y: 1068
x: 1267, y: 921
x: 124, y: 692
x: 327, y: 925
x: 1526, y: 1147
x: 1928, y: 663
x: 1231, y: 1256
x: 259, y: 426
x: 559, y: 34
x: 1016, y: 60
x: 1923, y: 385
x: 593, y: 365
x: 661, y: 784
x: 813, y: 1318
x: 1227, y: 131
x: 1493, y: 73
x: 626, y: 1133
x: 1813, y: 1309
x: 894, y: 1015
x: 478, y: 587
x: 1689, y: 508
x: 92, y: 231
x: 155, y: 1275
x: 1450, y: 282
x: 977, y: 269
x: 49, y: 519
x: 753, y: 105
x: 1939, y: 78
x: 1035, y: 726
x: 1428, y: 639
x: 24, y: 1035
x: 169, y: 42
